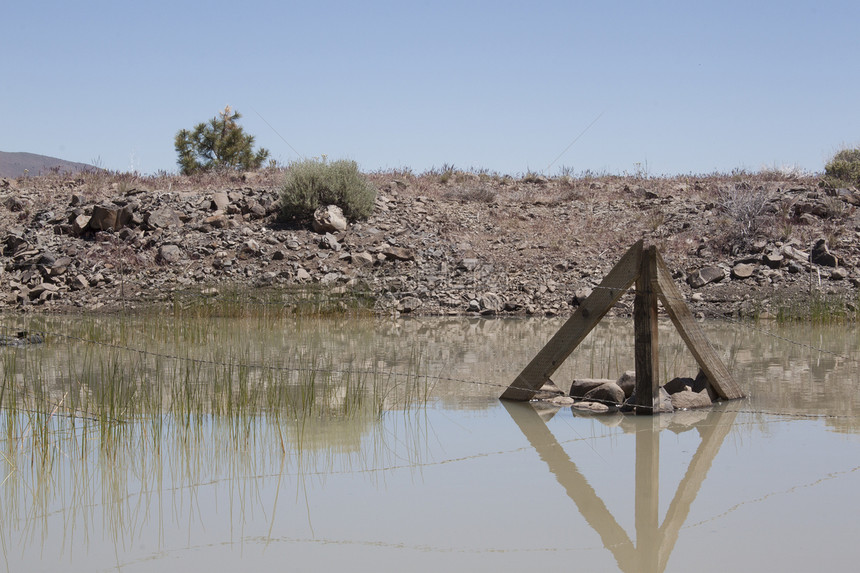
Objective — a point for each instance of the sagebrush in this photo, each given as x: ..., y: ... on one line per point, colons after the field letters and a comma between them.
x: 313, y: 183
x: 844, y: 168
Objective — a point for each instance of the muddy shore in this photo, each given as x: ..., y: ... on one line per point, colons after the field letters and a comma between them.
x: 443, y: 243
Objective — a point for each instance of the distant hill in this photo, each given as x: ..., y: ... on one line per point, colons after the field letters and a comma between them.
x: 17, y: 164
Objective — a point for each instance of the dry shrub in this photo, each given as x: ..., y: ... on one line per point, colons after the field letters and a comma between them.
x: 746, y: 213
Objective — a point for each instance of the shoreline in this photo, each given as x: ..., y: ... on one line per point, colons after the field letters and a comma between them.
x: 449, y: 243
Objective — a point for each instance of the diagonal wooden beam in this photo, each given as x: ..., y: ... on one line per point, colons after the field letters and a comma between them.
x: 718, y: 375
x: 577, y: 488
x: 577, y: 327
x: 714, y: 430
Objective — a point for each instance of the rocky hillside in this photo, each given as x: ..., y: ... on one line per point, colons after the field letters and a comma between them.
x: 439, y: 243
x: 19, y: 164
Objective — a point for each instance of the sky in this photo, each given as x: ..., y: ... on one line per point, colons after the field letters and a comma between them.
x: 659, y: 88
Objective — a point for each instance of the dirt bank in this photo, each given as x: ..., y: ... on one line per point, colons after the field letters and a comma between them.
x: 440, y: 243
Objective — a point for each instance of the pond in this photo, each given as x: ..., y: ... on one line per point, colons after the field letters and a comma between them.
x: 159, y: 444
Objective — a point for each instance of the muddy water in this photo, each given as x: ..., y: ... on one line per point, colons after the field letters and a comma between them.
x: 444, y: 476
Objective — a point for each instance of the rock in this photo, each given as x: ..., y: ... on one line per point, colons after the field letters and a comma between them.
x: 14, y: 204
x: 773, y: 260
x: 169, y: 254
x: 220, y: 201
x: 664, y: 403
x: 398, y: 253
x: 838, y: 274
x: 329, y: 241
x: 60, y: 265
x: 706, y: 275
x: 562, y: 401
x: 163, y: 218
x: 105, y: 218
x: 687, y: 399
x: 822, y: 256
x: 680, y: 384
x: 473, y: 306
x: 742, y: 271
x: 410, y: 304
x: 251, y: 247
x: 608, y: 392
x: 302, y: 275
x: 581, y: 386
x: 592, y: 407
x: 548, y: 390
x: 79, y: 282
x: 363, y: 259
x: 329, y: 219
x: 80, y: 224
x: 492, y: 302
x: 627, y: 382
x: 580, y: 295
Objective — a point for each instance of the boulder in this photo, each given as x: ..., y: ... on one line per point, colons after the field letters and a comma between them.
x: 163, y: 218
x: 80, y: 224
x: 773, y: 260
x: 688, y: 399
x: 822, y: 256
x: 169, y: 254
x: 607, y: 392
x: 742, y: 271
x: 220, y: 201
x: 627, y: 382
x: 706, y: 275
x: 581, y: 386
x: 492, y: 302
x: 106, y: 218
x: 329, y: 219
x: 679, y: 384
x: 697, y: 384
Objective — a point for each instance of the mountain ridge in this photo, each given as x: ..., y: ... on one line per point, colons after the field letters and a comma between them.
x: 20, y: 163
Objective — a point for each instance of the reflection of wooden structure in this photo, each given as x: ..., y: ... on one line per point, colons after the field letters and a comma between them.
x: 654, y: 541
x: 646, y: 268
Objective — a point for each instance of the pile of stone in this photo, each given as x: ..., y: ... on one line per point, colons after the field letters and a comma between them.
x: 601, y: 396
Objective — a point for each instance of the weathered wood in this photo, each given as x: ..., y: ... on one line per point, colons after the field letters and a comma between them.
x: 647, y: 500
x: 718, y: 375
x: 647, y: 355
x: 578, y: 489
x: 654, y: 542
x: 713, y: 430
x: 577, y: 327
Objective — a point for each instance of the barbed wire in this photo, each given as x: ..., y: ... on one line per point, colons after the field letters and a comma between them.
x: 426, y: 376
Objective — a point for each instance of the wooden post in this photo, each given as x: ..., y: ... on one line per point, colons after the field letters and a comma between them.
x: 647, y: 355
x: 577, y: 327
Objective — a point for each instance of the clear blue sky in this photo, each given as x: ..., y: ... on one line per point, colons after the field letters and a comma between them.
x: 682, y: 87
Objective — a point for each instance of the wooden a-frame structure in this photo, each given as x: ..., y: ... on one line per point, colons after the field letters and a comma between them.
x: 655, y: 541
x: 645, y: 267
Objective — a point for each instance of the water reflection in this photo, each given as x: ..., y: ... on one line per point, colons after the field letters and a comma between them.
x: 208, y: 444
x: 654, y: 541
